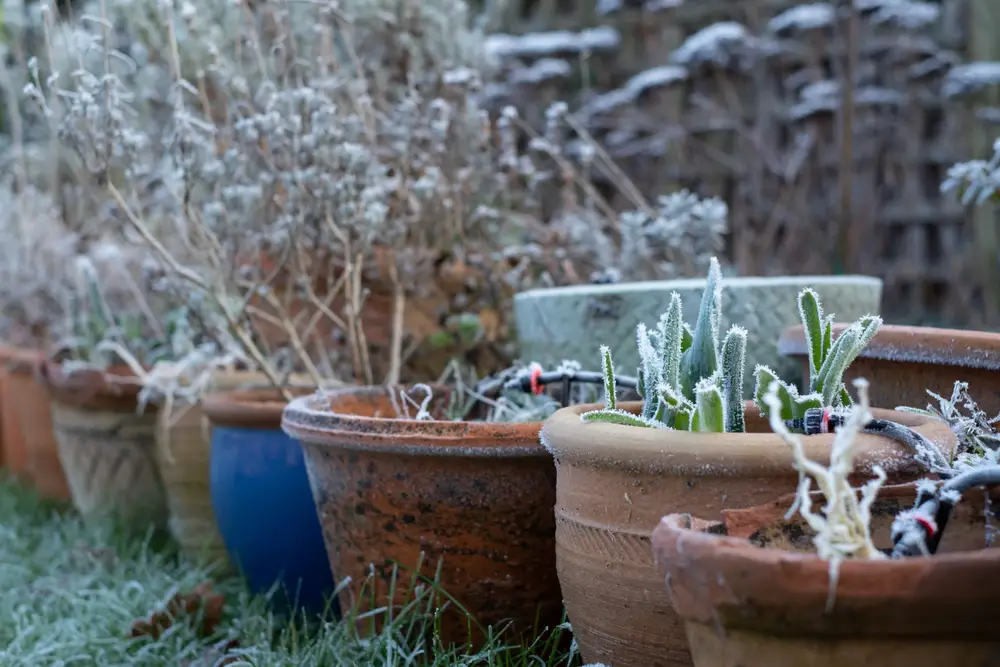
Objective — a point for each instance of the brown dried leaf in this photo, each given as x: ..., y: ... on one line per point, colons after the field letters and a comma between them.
x: 202, y: 598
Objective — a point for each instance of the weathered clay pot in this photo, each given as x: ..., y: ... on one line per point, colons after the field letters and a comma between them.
x: 614, y: 484
x: 107, y: 447
x: 572, y: 322
x: 902, y: 362
x: 32, y: 419
x: 390, y: 491
x: 752, y: 601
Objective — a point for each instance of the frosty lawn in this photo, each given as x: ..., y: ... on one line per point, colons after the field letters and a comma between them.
x: 72, y: 594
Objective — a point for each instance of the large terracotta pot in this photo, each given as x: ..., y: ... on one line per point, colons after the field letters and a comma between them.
x: 902, y: 362
x: 476, y: 495
x: 615, y: 482
x: 757, y: 596
x: 262, y: 503
x: 32, y: 417
x: 107, y: 447
x: 572, y: 322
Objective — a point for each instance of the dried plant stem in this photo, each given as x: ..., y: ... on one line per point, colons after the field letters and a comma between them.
x: 398, y: 310
x: 192, y: 277
x: 293, y: 337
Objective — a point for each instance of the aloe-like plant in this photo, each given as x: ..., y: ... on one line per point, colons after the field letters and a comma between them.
x: 828, y: 360
x: 691, y: 380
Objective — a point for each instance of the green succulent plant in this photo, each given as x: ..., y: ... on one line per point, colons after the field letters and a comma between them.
x: 691, y: 380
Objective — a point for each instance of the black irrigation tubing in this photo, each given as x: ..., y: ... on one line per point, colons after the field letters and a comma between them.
x: 919, y: 531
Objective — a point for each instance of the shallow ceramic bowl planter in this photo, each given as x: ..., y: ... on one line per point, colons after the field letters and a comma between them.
x: 106, y: 445
x: 476, y: 495
x: 32, y: 420
x: 614, y: 483
x: 572, y: 322
x: 902, y: 362
x: 262, y: 502
x: 753, y: 593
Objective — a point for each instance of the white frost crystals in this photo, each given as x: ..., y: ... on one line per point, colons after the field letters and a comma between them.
x: 842, y: 530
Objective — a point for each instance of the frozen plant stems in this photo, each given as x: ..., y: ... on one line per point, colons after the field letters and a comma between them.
x: 843, y: 528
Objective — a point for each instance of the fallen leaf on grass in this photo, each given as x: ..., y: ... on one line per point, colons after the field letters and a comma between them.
x: 201, y: 598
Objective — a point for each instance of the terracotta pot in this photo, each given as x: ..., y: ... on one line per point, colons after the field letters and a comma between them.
x: 901, y: 363
x: 614, y: 484
x: 753, y: 601
x: 262, y: 503
x: 13, y: 449
x: 107, y: 447
x: 183, y: 455
x: 33, y: 419
x: 476, y: 495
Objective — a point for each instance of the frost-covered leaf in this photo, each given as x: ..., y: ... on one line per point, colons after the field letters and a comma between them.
x: 621, y: 417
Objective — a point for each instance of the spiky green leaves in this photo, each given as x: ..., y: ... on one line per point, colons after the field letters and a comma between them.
x: 608, y: 371
x: 701, y: 360
x: 734, y: 353
x: 828, y: 380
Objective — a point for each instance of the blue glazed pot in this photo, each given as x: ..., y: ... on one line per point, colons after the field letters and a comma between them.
x: 263, y: 503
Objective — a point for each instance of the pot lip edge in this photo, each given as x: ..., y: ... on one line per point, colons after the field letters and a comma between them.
x: 937, y: 341
x: 327, y: 429
x: 715, y: 449
x: 735, y: 282
x: 770, y: 557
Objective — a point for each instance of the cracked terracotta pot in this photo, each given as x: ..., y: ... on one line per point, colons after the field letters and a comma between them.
x: 753, y: 593
x: 615, y: 482
x: 902, y: 362
x: 476, y: 495
x: 106, y: 445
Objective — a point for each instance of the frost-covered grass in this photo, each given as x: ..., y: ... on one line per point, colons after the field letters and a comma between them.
x: 69, y: 593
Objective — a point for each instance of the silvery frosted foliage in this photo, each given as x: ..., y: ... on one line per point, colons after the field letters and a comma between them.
x: 975, y: 180
x: 35, y: 250
x: 678, y: 241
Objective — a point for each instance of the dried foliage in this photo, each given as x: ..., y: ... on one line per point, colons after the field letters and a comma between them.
x: 320, y: 186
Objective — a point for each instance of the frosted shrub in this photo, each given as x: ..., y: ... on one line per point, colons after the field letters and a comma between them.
x: 975, y: 180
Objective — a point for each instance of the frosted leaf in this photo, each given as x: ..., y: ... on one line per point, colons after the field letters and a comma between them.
x: 551, y: 44
x: 720, y: 44
x: 970, y: 78
x: 803, y: 17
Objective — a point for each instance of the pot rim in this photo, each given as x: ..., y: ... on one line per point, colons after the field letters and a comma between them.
x: 679, y: 541
x: 927, y: 345
x: 20, y: 360
x: 115, y: 389
x: 310, y: 420
x: 721, y: 454
x: 251, y: 408
x: 728, y: 283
